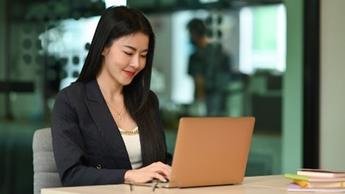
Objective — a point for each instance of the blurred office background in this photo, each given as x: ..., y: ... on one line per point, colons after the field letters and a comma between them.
x: 285, y: 70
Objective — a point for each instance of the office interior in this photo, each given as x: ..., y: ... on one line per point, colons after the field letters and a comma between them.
x: 286, y: 70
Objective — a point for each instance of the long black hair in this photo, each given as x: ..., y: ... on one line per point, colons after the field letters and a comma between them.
x: 116, y: 22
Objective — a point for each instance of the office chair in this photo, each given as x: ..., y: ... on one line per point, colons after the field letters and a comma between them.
x: 45, y: 172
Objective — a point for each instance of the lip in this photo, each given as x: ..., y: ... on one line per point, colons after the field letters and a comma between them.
x: 129, y: 73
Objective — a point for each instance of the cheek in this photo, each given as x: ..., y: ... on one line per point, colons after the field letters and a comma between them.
x: 143, y: 63
x: 142, y: 66
x: 113, y: 65
x: 119, y: 61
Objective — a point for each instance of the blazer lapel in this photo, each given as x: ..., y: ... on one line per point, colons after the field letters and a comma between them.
x: 106, y: 124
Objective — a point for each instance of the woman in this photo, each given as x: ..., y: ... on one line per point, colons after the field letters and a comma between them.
x: 106, y: 127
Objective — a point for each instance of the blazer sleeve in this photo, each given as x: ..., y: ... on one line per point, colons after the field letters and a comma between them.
x: 69, y: 150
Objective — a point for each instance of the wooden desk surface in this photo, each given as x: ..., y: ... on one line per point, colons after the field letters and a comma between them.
x: 275, y: 184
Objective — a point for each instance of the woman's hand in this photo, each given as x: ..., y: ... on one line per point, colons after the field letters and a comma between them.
x: 157, y: 170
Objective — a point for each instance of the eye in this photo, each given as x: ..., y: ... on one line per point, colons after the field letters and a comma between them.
x: 143, y: 54
x: 128, y: 53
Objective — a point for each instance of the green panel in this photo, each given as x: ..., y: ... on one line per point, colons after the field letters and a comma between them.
x: 293, y: 88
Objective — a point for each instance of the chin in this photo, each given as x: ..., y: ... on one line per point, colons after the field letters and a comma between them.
x: 126, y: 83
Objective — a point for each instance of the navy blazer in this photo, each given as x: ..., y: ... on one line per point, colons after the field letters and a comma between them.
x: 87, y: 144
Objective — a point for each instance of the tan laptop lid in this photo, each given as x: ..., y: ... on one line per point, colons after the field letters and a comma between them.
x: 211, y: 151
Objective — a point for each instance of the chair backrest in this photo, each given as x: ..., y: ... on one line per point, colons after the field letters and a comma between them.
x: 45, y: 172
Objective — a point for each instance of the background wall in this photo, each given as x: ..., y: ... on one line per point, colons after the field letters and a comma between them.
x: 332, y: 84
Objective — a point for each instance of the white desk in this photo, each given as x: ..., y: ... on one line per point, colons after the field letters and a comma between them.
x: 275, y: 184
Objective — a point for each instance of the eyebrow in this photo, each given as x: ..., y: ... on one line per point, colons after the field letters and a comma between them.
x: 135, y: 49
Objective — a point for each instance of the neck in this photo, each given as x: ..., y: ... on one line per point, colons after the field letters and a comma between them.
x: 111, y: 90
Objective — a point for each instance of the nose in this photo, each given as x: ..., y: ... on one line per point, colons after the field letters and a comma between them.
x: 135, y: 61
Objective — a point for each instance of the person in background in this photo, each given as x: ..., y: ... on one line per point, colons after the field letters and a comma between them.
x: 106, y: 126
x: 210, y: 69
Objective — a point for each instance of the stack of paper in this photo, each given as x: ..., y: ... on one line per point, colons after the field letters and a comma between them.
x: 317, y: 180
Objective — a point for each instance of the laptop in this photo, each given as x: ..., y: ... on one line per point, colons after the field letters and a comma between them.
x: 211, y: 151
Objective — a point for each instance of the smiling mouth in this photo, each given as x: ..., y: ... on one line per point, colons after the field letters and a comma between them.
x: 129, y: 73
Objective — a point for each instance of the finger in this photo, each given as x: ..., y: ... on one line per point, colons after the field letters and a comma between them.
x: 166, y: 169
x: 160, y: 165
x: 159, y: 177
x: 163, y: 172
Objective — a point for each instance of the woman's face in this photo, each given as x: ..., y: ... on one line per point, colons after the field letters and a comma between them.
x: 125, y: 58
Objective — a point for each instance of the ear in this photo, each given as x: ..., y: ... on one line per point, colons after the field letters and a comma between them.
x: 105, y: 51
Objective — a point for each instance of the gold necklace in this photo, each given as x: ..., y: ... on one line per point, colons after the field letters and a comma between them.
x: 134, y: 131
x: 119, y: 114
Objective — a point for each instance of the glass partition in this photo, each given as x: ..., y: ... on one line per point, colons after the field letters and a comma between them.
x: 239, y: 72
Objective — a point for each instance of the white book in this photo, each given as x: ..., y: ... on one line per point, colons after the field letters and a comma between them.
x: 320, y: 173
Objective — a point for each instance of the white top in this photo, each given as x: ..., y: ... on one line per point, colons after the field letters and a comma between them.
x: 132, y: 143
